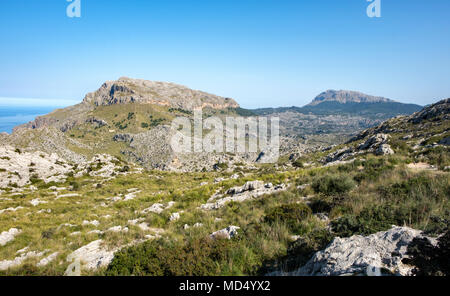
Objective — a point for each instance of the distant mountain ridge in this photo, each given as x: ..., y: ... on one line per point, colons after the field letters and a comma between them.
x: 347, y: 96
x: 131, y: 118
x: 344, y: 102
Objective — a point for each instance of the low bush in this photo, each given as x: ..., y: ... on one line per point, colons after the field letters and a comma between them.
x: 290, y: 214
x: 333, y: 184
x: 198, y: 257
x: 430, y: 260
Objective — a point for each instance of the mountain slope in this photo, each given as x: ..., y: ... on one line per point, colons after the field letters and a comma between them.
x: 422, y: 137
x: 336, y: 114
x: 128, y: 90
x: 127, y: 118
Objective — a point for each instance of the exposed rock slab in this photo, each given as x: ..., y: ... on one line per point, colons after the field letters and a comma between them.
x: 358, y: 255
x: 7, y: 236
x: 249, y: 190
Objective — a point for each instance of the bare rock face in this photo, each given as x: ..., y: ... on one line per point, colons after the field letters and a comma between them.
x: 440, y: 109
x: 127, y: 90
x: 93, y: 255
x: 7, y: 236
x: 359, y: 255
x: 18, y: 167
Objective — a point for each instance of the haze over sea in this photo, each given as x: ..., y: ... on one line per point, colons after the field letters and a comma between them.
x: 14, y: 112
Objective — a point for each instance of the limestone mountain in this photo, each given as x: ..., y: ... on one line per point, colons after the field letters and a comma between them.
x: 337, y: 113
x: 128, y: 90
x: 127, y: 118
x: 357, y: 103
x: 346, y: 96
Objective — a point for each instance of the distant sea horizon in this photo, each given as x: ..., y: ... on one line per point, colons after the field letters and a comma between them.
x: 12, y: 116
x: 18, y: 111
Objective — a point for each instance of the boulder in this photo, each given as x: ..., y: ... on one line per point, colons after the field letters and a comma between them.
x: 227, y: 233
x: 7, y: 236
x: 359, y: 255
x: 384, y: 149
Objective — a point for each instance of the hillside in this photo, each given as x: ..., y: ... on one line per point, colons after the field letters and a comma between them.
x: 335, y: 115
x: 130, y: 119
x: 116, y: 218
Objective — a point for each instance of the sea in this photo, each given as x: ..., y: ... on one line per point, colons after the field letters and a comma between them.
x: 11, y: 116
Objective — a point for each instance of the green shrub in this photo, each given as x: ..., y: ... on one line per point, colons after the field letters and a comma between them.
x: 199, y: 257
x: 430, y: 260
x: 321, y: 205
x: 124, y: 169
x: 298, y: 164
x: 373, y: 168
x: 299, y: 251
x: 374, y: 219
x: 48, y: 234
x: 290, y: 214
x: 75, y: 185
x: 333, y: 184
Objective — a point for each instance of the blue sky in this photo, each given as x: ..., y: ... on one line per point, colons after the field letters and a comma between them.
x: 259, y: 52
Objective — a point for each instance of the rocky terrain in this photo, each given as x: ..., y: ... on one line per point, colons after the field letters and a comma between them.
x: 379, y: 253
x: 100, y: 192
x: 128, y: 90
x: 131, y: 119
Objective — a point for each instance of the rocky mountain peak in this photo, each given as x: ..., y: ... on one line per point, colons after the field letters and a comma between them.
x: 128, y: 90
x: 346, y: 96
x: 434, y: 111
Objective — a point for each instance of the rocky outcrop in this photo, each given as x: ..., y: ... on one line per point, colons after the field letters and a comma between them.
x: 6, y: 264
x: 384, y: 149
x: 128, y: 90
x: 7, y: 236
x: 17, y: 167
x: 93, y: 255
x: 249, y: 190
x: 158, y: 208
x: 376, y: 144
x: 227, y: 233
x: 96, y: 122
x: 440, y: 109
x: 376, y: 254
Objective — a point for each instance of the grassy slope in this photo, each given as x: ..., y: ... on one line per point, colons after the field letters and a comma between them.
x: 362, y: 197
x: 386, y: 191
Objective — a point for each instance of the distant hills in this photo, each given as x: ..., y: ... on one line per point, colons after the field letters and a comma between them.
x: 131, y: 118
x: 344, y: 102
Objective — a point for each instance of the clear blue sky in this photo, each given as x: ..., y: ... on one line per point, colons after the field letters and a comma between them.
x: 260, y: 52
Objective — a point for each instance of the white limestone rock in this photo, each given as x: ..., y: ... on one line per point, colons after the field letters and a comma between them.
x: 358, y: 255
x: 226, y: 233
x: 7, y: 236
